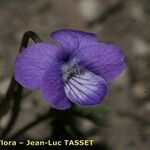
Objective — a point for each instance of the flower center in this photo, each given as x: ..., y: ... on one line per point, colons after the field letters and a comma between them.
x: 70, y: 69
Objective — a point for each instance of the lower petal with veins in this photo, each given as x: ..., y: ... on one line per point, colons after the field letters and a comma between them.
x: 86, y: 89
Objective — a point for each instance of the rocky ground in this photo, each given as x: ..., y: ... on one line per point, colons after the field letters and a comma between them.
x: 124, y: 22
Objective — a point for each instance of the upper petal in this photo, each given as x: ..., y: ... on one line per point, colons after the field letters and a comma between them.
x: 53, y: 88
x: 71, y: 40
x: 86, y: 89
x: 105, y: 60
x: 32, y: 62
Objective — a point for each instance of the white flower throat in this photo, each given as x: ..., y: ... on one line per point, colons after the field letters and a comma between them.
x: 71, y: 69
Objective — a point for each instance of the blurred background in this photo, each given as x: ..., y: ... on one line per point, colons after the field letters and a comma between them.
x: 123, y: 22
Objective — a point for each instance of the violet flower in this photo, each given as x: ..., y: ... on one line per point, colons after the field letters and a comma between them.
x: 76, y: 69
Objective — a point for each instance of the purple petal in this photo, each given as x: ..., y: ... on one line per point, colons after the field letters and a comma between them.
x: 105, y: 60
x: 53, y: 88
x: 86, y: 89
x: 70, y: 40
x: 32, y: 63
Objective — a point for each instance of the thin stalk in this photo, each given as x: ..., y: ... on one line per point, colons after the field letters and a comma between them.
x: 31, y: 124
x: 15, y: 89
